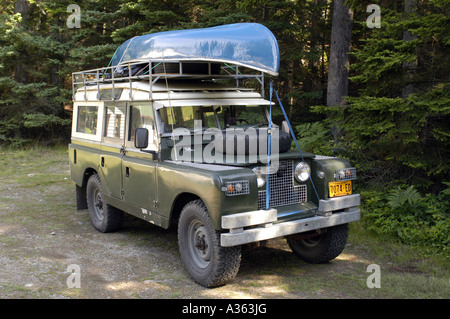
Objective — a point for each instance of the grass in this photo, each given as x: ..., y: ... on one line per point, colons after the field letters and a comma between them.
x: 391, y: 251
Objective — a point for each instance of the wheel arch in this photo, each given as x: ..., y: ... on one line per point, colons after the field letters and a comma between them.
x: 180, y: 201
x: 88, y: 172
x: 81, y: 189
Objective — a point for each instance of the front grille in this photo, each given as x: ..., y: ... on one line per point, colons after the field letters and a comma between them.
x: 282, y: 189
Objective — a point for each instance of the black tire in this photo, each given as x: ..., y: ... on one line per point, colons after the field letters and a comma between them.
x: 321, y: 248
x: 285, y: 142
x: 104, y: 217
x: 209, y: 264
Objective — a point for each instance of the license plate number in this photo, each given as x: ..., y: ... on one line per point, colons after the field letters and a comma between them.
x: 340, y: 188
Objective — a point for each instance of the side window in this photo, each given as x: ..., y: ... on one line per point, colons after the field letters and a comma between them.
x: 141, y: 116
x: 108, y: 94
x: 115, y: 122
x: 87, y: 119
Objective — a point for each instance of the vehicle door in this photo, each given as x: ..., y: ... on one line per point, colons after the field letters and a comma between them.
x: 111, y: 151
x: 139, y: 166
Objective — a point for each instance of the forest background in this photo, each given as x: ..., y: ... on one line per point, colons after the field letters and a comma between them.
x: 381, y: 100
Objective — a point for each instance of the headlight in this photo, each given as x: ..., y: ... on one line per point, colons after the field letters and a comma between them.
x: 260, y: 177
x: 302, y: 172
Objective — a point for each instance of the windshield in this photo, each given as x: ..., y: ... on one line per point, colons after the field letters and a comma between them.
x: 220, y: 117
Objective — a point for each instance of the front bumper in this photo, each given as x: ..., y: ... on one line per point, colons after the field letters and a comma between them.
x: 260, y: 225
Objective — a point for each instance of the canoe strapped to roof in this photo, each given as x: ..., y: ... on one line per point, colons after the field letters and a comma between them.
x: 250, y: 45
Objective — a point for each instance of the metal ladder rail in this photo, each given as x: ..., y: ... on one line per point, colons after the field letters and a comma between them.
x: 99, y: 77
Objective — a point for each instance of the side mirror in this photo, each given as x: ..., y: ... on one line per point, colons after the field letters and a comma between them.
x: 141, y: 138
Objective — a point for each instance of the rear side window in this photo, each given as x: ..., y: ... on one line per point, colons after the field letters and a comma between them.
x: 87, y: 119
x: 115, y: 122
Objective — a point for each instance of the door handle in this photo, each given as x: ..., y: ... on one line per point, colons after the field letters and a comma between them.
x: 127, y: 171
x: 103, y: 161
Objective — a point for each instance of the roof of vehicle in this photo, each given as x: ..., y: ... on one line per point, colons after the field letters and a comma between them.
x: 173, y: 93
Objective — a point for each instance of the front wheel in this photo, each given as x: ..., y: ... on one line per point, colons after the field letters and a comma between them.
x: 207, y: 262
x: 321, y: 248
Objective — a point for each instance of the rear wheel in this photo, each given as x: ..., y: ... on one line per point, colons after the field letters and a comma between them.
x: 105, y: 217
x: 322, y: 248
x: 207, y: 262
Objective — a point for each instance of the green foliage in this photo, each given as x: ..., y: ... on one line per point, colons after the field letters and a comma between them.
x: 30, y: 60
x: 47, y: 122
x: 315, y: 138
x: 396, y: 125
x: 400, y: 135
x: 422, y: 222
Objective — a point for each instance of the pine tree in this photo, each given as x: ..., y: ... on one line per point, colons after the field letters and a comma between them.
x: 393, y: 135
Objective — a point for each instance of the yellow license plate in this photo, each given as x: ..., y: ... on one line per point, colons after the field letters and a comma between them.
x: 340, y: 188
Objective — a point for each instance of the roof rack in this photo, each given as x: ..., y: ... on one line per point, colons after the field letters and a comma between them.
x: 154, y: 70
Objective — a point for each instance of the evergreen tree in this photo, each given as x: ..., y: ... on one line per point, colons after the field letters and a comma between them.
x: 394, y: 136
x: 30, y: 86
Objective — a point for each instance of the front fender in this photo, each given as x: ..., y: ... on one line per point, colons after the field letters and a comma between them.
x: 175, y: 178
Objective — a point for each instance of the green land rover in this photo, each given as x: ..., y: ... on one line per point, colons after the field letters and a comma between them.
x: 168, y: 139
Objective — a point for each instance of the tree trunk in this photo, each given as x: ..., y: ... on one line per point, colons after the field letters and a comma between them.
x: 22, y: 7
x: 408, y: 67
x: 290, y: 75
x: 341, y: 35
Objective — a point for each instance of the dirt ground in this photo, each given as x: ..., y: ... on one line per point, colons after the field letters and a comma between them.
x: 43, y: 237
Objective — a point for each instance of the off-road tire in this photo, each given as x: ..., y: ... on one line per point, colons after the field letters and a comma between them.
x: 104, y: 217
x: 209, y: 264
x: 322, y: 248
